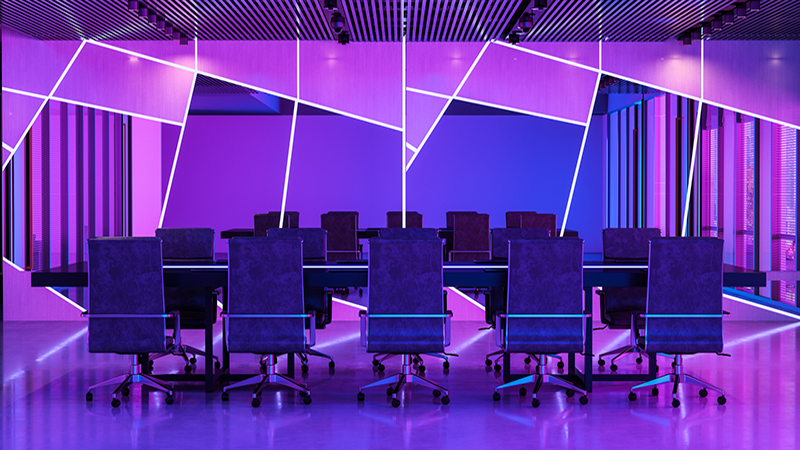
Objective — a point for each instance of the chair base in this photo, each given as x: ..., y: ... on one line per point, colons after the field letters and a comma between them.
x: 539, y: 379
x: 379, y: 358
x: 500, y: 356
x: 406, y: 377
x: 184, y: 351
x: 271, y: 377
x: 676, y: 378
x: 124, y: 382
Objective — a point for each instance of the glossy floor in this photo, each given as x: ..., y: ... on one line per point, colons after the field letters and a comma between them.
x: 46, y: 369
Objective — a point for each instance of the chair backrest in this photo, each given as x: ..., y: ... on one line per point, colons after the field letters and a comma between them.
x: 315, y: 240
x: 628, y: 244
x: 126, y: 277
x: 545, y: 276
x: 471, y: 232
x: 501, y: 236
x: 684, y: 278
x: 394, y: 219
x: 187, y: 243
x: 534, y: 220
x: 294, y: 218
x: 450, y: 216
x: 514, y: 218
x: 265, y: 276
x: 263, y: 222
x: 342, y: 227
x: 409, y: 233
x: 405, y: 277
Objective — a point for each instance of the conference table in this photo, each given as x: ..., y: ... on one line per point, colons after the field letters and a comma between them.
x: 345, y: 274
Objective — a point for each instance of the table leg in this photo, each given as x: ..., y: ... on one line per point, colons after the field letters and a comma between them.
x: 507, y: 367
x: 290, y: 365
x: 211, y: 309
x: 226, y: 355
x: 588, y: 349
x: 652, y: 364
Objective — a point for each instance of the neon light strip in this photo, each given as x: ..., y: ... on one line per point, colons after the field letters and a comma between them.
x: 49, y: 96
x: 654, y: 86
x: 546, y: 56
x: 424, y: 92
x: 411, y: 147
x: 8, y: 147
x: 288, y: 165
x: 404, y: 120
x: 60, y: 295
x: 177, y: 152
x: 580, y: 158
x: 63, y: 344
x: 351, y: 115
x: 25, y: 93
x: 341, y: 340
x: 143, y: 56
x: 521, y: 111
x: 764, y: 307
x: 346, y: 303
x: 11, y: 263
x: 691, y: 168
x: 468, y: 298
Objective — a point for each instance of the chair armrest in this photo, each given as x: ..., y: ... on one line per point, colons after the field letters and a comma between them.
x: 447, y: 316
x: 312, y: 330
x: 499, y: 336
x: 365, y: 315
x: 681, y: 316
x: 125, y: 316
x: 362, y: 315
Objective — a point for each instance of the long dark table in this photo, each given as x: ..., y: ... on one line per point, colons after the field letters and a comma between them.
x: 354, y: 274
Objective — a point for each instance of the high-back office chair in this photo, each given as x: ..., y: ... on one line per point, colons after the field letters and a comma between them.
x: 394, y: 219
x: 187, y: 246
x: 514, y: 218
x: 266, y: 313
x: 272, y: 219
x: 544, y: 312
x: 126, y: 307
x: 684, y: 307
x: 546, y: 221
x: 316, y: 299
x: 496, y: 300
x: 342, y: 228
x: 450, y: 216
x: 620, y: 307
x: 406, y: 313
x: 470, y: 237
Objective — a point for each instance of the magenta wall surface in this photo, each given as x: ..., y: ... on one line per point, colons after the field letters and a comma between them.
x: 18, y: 112
x: 32, y: 65
x: 270, y: 65
x: 421, y: 113
x: 440, y: 67
x: 586, y: 53
x: 163, y: 50
x: 670, y: 64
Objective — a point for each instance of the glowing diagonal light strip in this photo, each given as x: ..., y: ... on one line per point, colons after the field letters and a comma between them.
x: 63, y: 344
x: 521, y: 111
x: 547, y: 56
x: 66, y: 299
x: 449, y: 101
x: 8, y: 147
x: 691, y: 168
x: 11, y: 263
x: 44, y: 102
x: 411, y: 147
x: 341, y: 340
x: 760, y: 306
x: 424, y: 92
x: 25, y: 93
x: 351, y: 115
x: 142, y: 55
x: 404, y: 133
x: 580, y: 157
x: 468, y: 298
x: 178, y: 148
x: 346, y: 303
x: 291, y: 141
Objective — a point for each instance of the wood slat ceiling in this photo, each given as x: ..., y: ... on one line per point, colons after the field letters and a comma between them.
x: 382, y: 20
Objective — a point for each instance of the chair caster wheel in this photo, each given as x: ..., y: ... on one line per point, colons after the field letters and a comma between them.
x: 192, y: 360
x: 614, y: 367
x: 446, y: 400
x: 331, y: 365
x: 169, y: 400
x: 639, y: 360
x: 302, y: 393
x: 703, y: 393
x: 498, y: 367
x: 584, y: 400
x: 115, y: 403
x: 217, y: 365
x: 89, y: 396
x: 307, y: 400
x: 437, y: 393
x: 657, y: 369
x: 673, y: 364
x: 255, y: 403
x: 126, y: 392
x: 535, y: 403
x: 446, y: 365
x: 570, y: 393
x: 360, y: 292
x: 187, y: 368
x: 416, y: 360
x: 421, y: 369
x: 632, y: 396
x: 488, y: 362
x: 560, y: 364
x: 522, y: 391
x: 360, y: 396
x: 721, y: 400
x: 496, y: 396
x: 389, y: 391
x: 676, y: 403
x: 375, y: 362
x: 654, y: 392
x: 304, y: 368
x: 395, y: 403
x: 225, y: 396
x: 528, y: 360
x: 601, y: 362
x: 381, y: 368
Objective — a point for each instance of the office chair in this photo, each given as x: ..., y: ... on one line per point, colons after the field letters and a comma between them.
x: 406, y: 313
x: 470, y: 237
x: 496, y: 300
x: 514, y: 218
x: 187, y: 246
x: 272, y: 219
x: 620, y: 307
x: 316, y: 299
x: 394, y: 219
x: 266, y: 313
x: 533, y: 220
x: 544, y: 309
x: 684, y: 307
x: 449, y: 218
x: 126, y: 308
x: 342, y: 228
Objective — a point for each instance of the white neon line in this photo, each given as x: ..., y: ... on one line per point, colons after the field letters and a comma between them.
x: 288, y: 166
x: 550, y: 57
x: 49, y: 96
x: 521, y: 111
x: 249, y: 86
x: 63, y: 297
x: 404, y: 113
x: 702, y: 68
x: 219, y: 304
x: 8, y: 147
x: 580, y: 157
x: 413, y: 158
x: 648, y: 84
x: 63, y: 344
x: 411, y: 147
x: 748, y: 113
x: 764, y: 307
x: 430, y: 93
x: 468, y: 298
x: 450, y: 100
x: 346, y: 303
x: 142, y: 55
x: 340, y: 340
x: 471, y: 341
x: 691, y: 168
x: 761, y: 335
x: 600, y: 55
x: 351, y: 115
x: 25, y: 93
x: 177, y: 152
x: 11, y: 263
x: 115, y: 110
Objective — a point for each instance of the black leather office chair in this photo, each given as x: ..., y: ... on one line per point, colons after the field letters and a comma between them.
x: 470, y: 237
x: 272, y: 219
x: 406, y: 313
x: 514, y: 218
x: 187, y: 246
x: 534, y: 220
x: 126, y: 308
x: 684, y: 307
x: 266, y: 312
x: 544, y: 312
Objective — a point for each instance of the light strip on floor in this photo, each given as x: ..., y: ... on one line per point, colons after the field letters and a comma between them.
x: 340, y: 340
x: 468, y: 298
x: 63, y: 344
x: 760, y: 306
x: 350, y: 304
